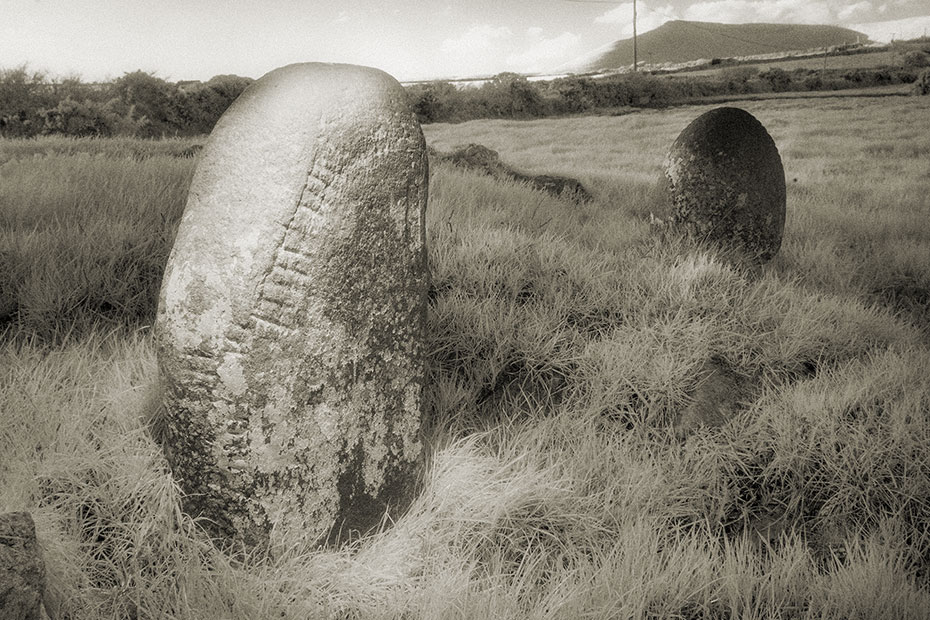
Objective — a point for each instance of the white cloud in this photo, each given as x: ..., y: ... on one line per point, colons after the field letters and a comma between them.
x: 905, y: 5
x: 861, y: 9
x: 540, y: 54
x: 342, y: 18
x: 899, y: 28
x: 485, y: 50
x: 477, y: 39
x: 480, y: 50
x: 768, y: 11
x: 647, y: 18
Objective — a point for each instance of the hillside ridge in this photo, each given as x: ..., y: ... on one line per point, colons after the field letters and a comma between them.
x: 682, y: 41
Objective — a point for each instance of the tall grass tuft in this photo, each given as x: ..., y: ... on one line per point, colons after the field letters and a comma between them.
x: 84, y: 239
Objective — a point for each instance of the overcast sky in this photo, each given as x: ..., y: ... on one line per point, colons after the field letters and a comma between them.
x: 411, y: 39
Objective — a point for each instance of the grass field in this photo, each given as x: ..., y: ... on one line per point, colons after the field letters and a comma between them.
x: 872, y: 60
x: 618, y: 427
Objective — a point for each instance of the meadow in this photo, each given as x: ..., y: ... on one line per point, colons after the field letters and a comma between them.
x: 618, y: 426
x: 871, y: 60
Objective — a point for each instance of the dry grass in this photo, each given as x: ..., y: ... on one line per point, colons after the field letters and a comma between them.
x: 856, y: 171
x: 870, y: 60
x: 564, y: 346
x: 84, y: 233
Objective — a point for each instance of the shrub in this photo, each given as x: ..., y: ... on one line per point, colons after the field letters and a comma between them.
x: 736, y: 79
x: 434, y: 101
x: 199, y: 106
x: 87, y: 118
x: 151, y: 101
x: 882, y: 77
x: 813, y: 82
x: 137, y: 104
x: 856, y: 76
x: 916, y: 58
x: 676, y: 89
x: 922, y: 84
x: 510, y: 95
x: 647, y: 89
x: 22, y: 95
x: 575, y: 94
x: 777, y: 79
x: 614, y: 93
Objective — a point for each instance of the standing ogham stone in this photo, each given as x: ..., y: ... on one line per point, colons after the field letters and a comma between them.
x: 290, y: 323
x: 724, y: 184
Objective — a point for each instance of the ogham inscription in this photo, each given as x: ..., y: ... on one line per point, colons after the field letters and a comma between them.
x: 290, y: 322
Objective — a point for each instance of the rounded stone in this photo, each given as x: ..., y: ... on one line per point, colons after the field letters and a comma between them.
x: 724, y: 183
x: 290, y: 323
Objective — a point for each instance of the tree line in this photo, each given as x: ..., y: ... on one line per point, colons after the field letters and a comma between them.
x: 143, y: 105
x: 136, y: 104
x: 510, y: 95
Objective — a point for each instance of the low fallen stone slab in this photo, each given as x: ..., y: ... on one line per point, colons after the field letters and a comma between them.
x: 479, y: 158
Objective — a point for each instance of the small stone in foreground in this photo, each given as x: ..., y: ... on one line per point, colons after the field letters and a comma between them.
x: 716, y: 398
x: 22, y: 570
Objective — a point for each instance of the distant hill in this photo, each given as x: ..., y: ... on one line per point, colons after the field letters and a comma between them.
x: 681, y: 41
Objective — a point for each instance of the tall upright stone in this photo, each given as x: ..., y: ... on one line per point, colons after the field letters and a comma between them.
x: 290, y: 323
x: 724, y: 184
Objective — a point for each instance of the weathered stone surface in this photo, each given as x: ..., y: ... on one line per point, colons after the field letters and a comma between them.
x: 290, y: 322
x: 724, y: 183
x: 22, y: 570
x: 482, y: 159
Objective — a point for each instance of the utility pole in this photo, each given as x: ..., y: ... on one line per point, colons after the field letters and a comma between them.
x: 823, y: 72
x: 635, y: 59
